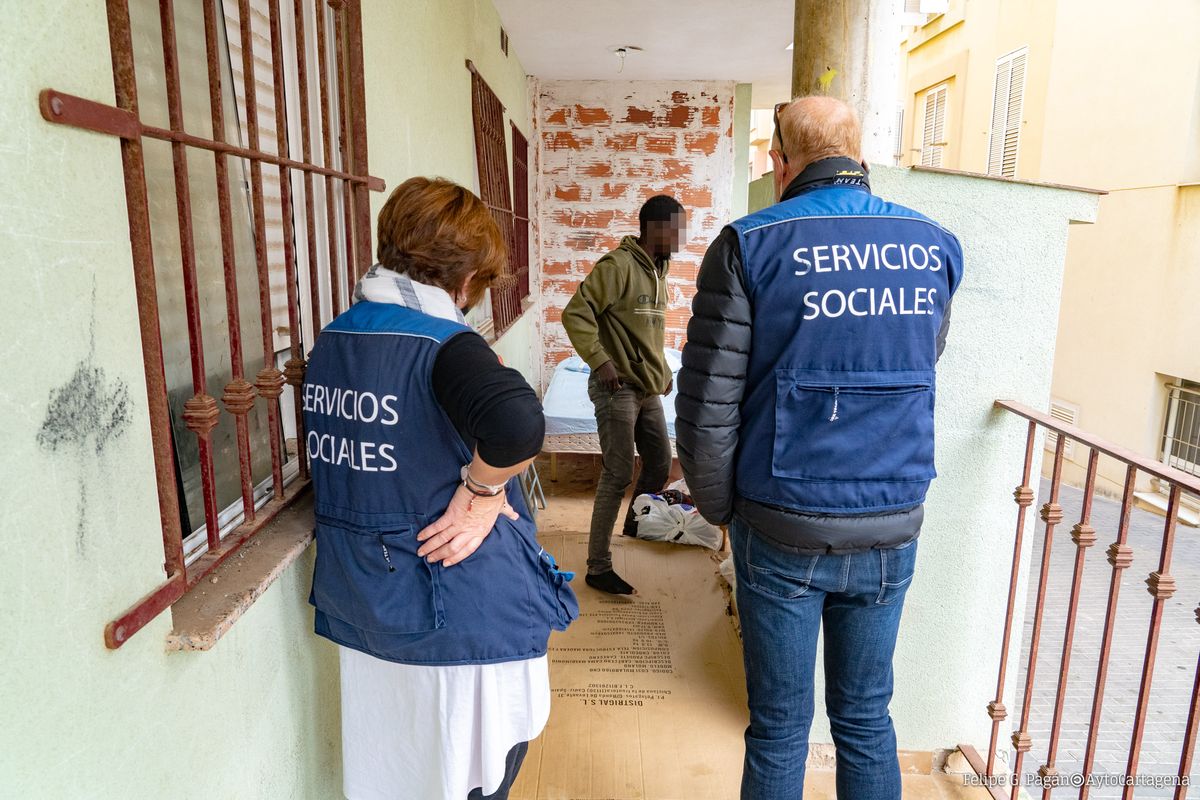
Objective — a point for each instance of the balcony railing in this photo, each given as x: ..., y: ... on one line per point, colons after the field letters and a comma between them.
x: 1161, y: 586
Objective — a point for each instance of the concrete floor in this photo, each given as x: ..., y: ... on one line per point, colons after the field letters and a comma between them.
x: 568, y: 512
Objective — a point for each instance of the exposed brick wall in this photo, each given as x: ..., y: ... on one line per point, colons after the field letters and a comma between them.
x: 604, y: 147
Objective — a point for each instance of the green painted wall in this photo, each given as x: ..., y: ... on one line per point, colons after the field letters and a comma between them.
x: 741, y: 149
x: 762, y: 192
x: 257, y: 717
x: 419, y: 105
x: 520, y: 347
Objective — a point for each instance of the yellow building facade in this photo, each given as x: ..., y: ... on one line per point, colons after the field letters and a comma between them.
x: 1107, y: 96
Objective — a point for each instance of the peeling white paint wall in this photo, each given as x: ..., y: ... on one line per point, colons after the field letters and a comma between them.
x: 605, y: 147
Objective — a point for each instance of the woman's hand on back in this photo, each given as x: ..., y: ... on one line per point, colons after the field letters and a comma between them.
x: 457, y: 534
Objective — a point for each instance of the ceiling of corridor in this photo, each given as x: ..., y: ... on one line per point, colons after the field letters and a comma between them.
x: 681, y: 39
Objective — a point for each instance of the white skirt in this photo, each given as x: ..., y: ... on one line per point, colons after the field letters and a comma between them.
x: 435, y: 733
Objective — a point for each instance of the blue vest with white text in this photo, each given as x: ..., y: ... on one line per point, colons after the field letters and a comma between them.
x: 385, y: 462
x: 848, y: 294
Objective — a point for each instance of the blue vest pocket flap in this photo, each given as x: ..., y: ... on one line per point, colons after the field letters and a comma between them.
x: 853, y: 426
x: 564, y: 606
x: 551, y: 587
x: 375, y: 581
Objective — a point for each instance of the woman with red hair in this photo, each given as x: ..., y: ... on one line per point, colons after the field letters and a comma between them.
x: 429, y: 575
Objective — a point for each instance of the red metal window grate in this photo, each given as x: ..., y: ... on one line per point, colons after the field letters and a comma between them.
x: 228, y: 30
x: 520, y: 258
x: 491, y: 158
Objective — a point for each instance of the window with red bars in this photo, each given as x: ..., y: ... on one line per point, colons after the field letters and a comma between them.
x: 491, y: 158
x: 220, y: 105
x: 520, y: 256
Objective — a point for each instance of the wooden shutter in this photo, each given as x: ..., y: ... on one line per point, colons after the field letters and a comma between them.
x: 1007, y: 101
x: 933, y: 132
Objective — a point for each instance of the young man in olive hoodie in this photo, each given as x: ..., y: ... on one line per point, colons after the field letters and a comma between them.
x: 616, y: 322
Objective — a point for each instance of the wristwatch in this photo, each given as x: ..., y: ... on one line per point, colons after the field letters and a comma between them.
x: 475, y: 487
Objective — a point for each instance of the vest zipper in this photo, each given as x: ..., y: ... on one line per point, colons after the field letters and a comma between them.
x: 836, y: 391
x: 387, y: 556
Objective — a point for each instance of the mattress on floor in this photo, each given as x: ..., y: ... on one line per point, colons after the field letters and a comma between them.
x: 568, y: 408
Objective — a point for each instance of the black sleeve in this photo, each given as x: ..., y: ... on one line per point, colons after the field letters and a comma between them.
x: 712, y: 382
x: 944, y: 330
x: 492, y: 407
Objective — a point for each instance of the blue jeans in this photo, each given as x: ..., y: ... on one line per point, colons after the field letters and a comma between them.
x: 783, y: 600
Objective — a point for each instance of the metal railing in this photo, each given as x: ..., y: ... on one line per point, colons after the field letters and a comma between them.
x: 1120, y: 556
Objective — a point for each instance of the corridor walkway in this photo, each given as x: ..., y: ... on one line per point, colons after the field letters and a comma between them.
x: 649, y: 692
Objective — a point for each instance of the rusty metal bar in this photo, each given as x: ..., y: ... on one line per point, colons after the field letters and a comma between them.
x: 1161, y: 586
x: 239, y: 394
x: 122, y: 120
x: 1189, y: 738
x: 314, y: 282
x: 1189, y: 483
x: 977, y: 765
x: 358, y: 133
x: 117, y: 632
x: 253, y: 154
x: 294, y: 367
x: 137, y: 202
x: 200, y: 411
x: 1084, y: 536
x: 1023, y: 495
x: 269, y: 380
x: 1051, y: 515
x: 521, y: 212
x: 344, y: 144
x: 1120, y: 556
x: 79, y: 112
x: 335, y: 281
x: 490, y: 155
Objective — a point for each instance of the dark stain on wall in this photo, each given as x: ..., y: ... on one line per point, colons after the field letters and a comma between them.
x: 85, y: 415
x: 85, y: 412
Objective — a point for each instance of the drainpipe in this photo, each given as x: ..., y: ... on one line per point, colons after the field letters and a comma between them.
x: 850, y: 49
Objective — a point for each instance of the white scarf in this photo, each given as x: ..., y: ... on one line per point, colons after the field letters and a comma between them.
x: 382, y: 285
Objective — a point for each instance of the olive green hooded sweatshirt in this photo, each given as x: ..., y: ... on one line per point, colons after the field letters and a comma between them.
x: 619, y: 314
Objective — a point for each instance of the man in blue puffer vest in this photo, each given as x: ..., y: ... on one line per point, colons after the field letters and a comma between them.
x: 805, y: 420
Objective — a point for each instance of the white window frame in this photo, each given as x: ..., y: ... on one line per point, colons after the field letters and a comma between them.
x: 1179, y: 393
x: 931, y: 150
x: 998, y: 133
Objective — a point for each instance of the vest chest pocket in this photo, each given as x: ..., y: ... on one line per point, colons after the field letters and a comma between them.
x: 375, y: 581
x: 853, y: 426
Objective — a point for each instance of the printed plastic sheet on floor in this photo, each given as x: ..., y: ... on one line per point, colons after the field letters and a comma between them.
x: 649, y: 692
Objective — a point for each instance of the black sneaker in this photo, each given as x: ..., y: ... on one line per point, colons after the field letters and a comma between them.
x: 610, y: 583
